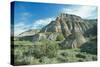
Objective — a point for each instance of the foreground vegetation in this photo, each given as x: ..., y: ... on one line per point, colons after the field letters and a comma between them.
x: 46, y: 52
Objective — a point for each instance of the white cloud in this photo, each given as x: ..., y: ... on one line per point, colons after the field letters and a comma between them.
x: 20, y: 27
x: 83, y: 11
x: 42, y: 22
x: 25, y: 15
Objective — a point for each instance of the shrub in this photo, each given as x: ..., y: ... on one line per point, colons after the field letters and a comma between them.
x: 67, y: 56
x: 45, y: 60
x: 89, y: 47
x: 81, y: 55
x: 25, y: 60
x: 52, y: 48
x: 23, y: 55
x: 62, y: 59
x: 23, y: 43
x: 45, y: 48
x: 59, y: 37
x: 39, y: 49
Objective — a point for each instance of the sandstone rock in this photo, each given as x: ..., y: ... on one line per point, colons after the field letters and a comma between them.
x: 65, y: 22
x: 39, y: 36
x: 72, y: 27
x: 29, y: 32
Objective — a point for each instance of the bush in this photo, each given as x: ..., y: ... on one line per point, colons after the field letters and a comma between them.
x: 39, y: 49
x: 67, y: 56
x: 26, y: 60
x: 60, y: 37
x: 81, y: 55
x: 23, y: 54
x: 45, y: 60
x: 89, y: 47
x: 23, y: 43
x: 52, y: 49
x: 45, y: 48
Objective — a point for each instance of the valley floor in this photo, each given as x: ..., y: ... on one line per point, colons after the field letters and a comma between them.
x: 25, y: 53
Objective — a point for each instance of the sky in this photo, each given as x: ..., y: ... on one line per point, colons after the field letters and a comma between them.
x: 32, y: 15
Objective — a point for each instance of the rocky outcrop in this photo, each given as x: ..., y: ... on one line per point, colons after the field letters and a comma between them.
x: 47, y: 35
x: 29, y: 32
x: 39, y: 36
x: 75, y: 40
x: 66, y: 21
x: 72, y: 27
x: 70, y: 31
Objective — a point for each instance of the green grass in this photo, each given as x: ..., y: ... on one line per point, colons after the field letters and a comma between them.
x: 60, y: 37
x: 75, y: 55
x: 23, y: 43
x: 47, y: 52
x: 90, y: 46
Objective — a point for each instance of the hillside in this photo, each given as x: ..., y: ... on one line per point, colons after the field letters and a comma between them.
x: 73, y: 28
x: 69, y: 38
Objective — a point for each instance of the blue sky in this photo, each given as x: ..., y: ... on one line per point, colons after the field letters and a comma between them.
x: 29, y: 15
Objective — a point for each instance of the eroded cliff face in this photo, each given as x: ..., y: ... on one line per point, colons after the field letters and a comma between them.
x: 66, y: 22
x: 72, y: 27
x: 75, y: 31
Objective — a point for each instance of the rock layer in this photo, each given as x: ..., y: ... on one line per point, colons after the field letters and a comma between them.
x: 72, y: 27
